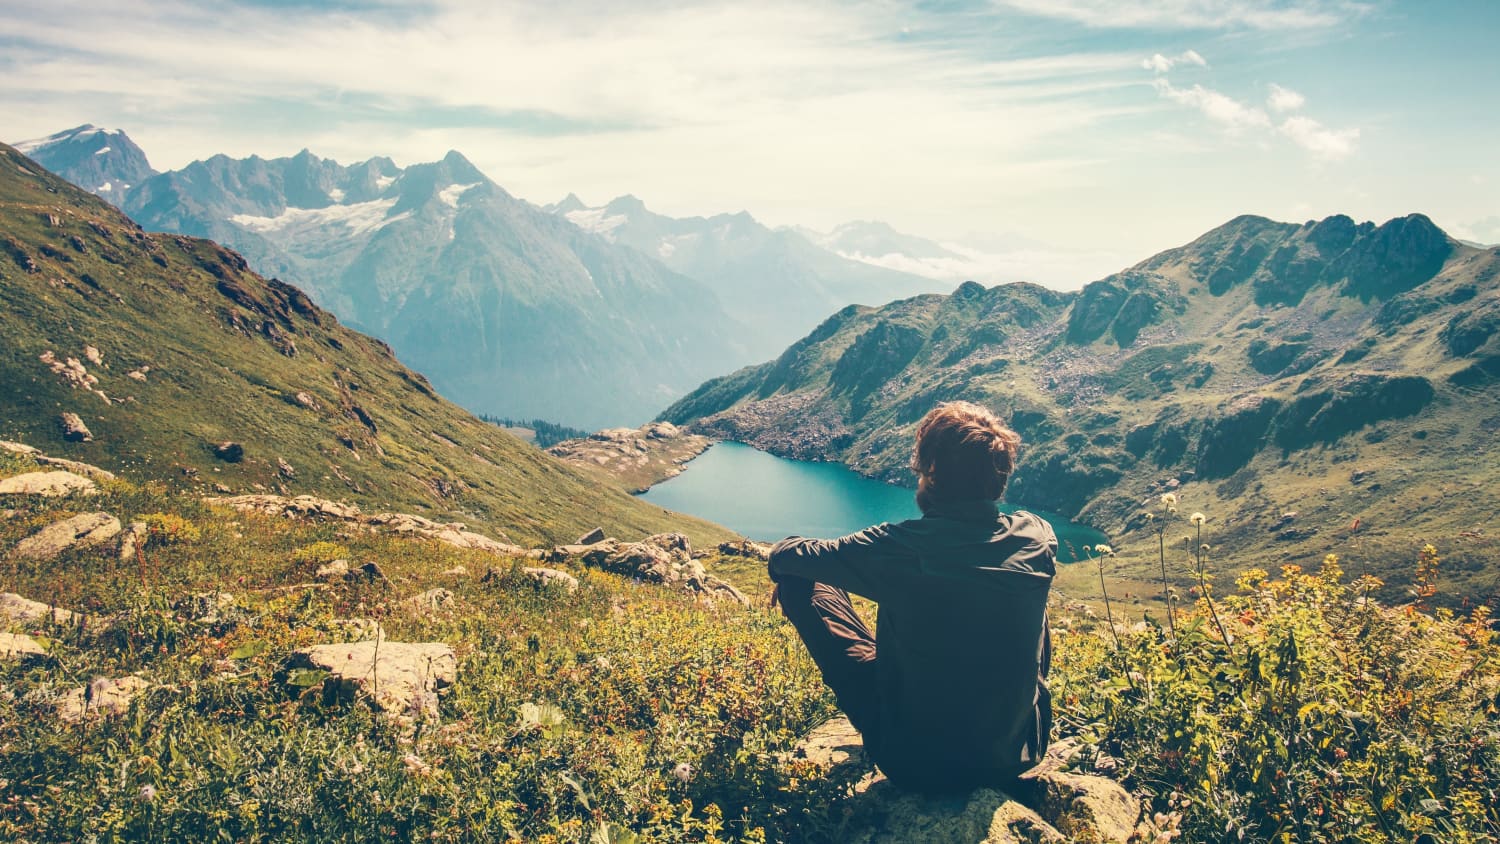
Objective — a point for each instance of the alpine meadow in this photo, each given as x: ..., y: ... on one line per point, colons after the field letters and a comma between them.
x: 329, y: 433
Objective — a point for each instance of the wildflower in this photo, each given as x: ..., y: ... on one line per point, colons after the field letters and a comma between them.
x: 1104, y: 550
x: 148, y: 793
x: 1197, y: 518
x: 682, y: 771
x: 1205, y: 548
x: 415, y: 765
x: 1169, y: 501
x: 1150, y: 516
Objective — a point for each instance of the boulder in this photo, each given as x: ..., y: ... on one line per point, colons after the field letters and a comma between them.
x: 432, y: 601
x: 399, y: 678
x: 1063, y: 807
x: 229, y: 452
x: 101, y: 698
x: 453, y: 533
x: 73, y: 429
x: 595, y: 535
x: 19, y: 647
x: 552, y: 577
x: 336, y: 570
x: 78, y: 532
x: 746, y: 548
x: 48, y: 484
x: 664, y: 558
x: 132, y: 540
x: 15, y: 609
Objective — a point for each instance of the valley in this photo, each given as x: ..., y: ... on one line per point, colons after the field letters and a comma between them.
x: 1311, y: 389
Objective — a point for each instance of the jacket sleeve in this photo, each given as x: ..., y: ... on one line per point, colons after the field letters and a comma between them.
x: 865, y: 563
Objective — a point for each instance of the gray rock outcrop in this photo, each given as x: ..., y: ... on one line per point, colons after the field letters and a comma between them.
x: 103, y: 697
x: 15, y: 609
x: 398, y: 678
x: 73, y: 429
x: 309, y: 507
x: 80, y: 531
x: 18, y: 646
x: 664, y: 558
x: 55, y: 484
x: 1064, y: 807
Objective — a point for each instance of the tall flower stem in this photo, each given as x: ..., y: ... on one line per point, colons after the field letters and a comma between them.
x: 1166, y: 591
x: 1109, y: 615
x: 1203, y: 585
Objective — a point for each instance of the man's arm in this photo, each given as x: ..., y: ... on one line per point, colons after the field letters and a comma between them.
x: 862, y: 563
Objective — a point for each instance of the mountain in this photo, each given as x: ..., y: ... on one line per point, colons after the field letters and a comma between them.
x: 104, y: 162
x: 986, y: 257
x: 510, y: 310
x: 1345, y: 374
x: 775, y: 281
x: 166, y: 346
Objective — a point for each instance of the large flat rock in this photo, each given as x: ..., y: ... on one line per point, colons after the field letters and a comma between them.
x: 54, y: 484
x: 79, y: 531
x: 400, y: 678
x: 1063, y: 807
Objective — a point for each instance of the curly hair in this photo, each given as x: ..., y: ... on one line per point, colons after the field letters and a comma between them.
x: 963, y: 451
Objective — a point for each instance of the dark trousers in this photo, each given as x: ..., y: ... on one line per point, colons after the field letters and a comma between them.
x: 841, y: 645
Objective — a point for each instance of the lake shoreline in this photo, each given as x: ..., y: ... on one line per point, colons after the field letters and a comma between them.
x: 765, y: 497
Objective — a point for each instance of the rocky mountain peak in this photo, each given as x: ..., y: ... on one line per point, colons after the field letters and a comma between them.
x: 104, y: 162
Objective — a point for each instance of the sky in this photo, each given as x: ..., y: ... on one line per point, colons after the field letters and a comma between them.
x: 1102, y: 131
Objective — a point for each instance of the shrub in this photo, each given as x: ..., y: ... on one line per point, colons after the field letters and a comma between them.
x: 1330, y: 718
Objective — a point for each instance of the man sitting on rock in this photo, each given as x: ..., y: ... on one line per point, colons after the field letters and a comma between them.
x: 951, y: 694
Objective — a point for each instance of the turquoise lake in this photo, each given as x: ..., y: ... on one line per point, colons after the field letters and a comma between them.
x: 766, y: 498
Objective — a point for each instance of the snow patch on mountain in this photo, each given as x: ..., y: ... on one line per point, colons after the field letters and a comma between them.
x: 357, y: 218
x: 85, y: 131
x: 451, y: 193
x: 596, y: 220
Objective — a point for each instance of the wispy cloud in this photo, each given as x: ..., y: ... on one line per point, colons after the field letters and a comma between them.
x: 1162, y: 64
x: 1218, y: 107
x: 1195, y: 14
x: 1238, y: 117
x: 1284, y: 99
x: 1318, y: 139
x: 771, y: 105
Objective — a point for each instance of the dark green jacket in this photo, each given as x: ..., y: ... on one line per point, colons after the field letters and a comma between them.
x: 962, y: 647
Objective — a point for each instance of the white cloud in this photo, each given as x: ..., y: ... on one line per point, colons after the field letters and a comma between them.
x: 1218, y: 107
x: 1161, y: 64
x: 1284, y: 99
x: 1318, y: 139
x: 1195, y: 14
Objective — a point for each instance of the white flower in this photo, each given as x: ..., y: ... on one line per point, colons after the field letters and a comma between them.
x: 1104, y: 550
x: 1169, y: 499
x: 1197, y: 518
x: 148, y: 793
x: 682, y: 771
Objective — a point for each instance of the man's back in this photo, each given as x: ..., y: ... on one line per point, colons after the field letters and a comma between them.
x: 961, y: 647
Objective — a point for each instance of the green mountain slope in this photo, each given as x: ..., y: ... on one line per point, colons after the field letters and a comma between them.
x: 193, y: 349
x: 1331, y: 370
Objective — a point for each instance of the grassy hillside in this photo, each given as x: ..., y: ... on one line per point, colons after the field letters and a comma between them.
x: 1344, y: 374
x: 194, y: 350
x: 630, y: 713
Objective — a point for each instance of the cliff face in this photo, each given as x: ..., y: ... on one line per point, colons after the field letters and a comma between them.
x: 1253, y: 370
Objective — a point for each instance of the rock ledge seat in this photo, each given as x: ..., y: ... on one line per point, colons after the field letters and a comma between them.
x: 1067, y: 807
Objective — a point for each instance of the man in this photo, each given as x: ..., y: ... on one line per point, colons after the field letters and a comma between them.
x: 951, y: 694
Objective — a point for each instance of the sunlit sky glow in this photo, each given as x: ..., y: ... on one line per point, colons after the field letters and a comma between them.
x: 1119, y: 127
